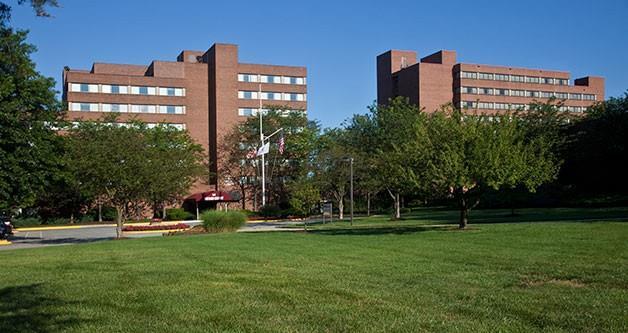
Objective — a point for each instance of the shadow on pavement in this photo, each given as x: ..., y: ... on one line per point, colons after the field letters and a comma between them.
x: 362, y: 231
x: 28, y: 308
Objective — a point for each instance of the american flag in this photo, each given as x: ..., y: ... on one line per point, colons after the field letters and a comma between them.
x: 251, y: 154
x: 282, y: 144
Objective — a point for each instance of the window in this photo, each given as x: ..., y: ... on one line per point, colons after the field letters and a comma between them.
x: 517, y: 106
x: 588, y: 97
x: 468, y: 75
x: 517, y: 78
x: 533, y: 79
x: 502, y: 77
x: 84, y: 87
x: 485, y: 76
x: 294, y: 97
x: 293, y: 80
x: 114, y: 89
x: 143, y: 108
x: 271, y: 79
x: 485, y: 105
x: 83, y: 107
x: 561, y: 95
x: 247, y: 112
x: 501, y: 106
x: 171, y: 109
x: 501, y: 92
x: 247, y: 94
x: 547, y: 80
x: 485, y: 91
x: 530, y: 93
x: 518, y: 93
x: 468, y: 104
x: 169, y: 91
x: 142, y: 90
x: 247, y: 77
x: 114, y: 107
x: 546, y: 94
x: 469, y: 90
x: 563, y: 82
x: 271, y: 96
x: 575, y: 96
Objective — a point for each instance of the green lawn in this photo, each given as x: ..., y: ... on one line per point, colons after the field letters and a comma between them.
x: 378, y: 276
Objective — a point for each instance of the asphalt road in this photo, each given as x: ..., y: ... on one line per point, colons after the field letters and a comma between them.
x: 68, y: 236
x: 87, y: 234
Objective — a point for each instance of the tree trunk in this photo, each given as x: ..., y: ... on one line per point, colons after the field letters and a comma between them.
x: 368, y: 204
x: 464, y: 213
x: 119, y: 219
x: 243, y: 198
x: 71, y: 218
x: 397, y: 207
x: 99, y: 212
x: 341, y: 208
x: 163, y: 213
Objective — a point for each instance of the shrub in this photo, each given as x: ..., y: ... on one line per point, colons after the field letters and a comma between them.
x: 22, y: 222
x: 218, y: 221
x: 269, y: 211
x: 108, y: 213
x: 178, y: 214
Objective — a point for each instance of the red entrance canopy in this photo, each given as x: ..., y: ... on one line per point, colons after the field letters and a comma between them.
x: 212, y: 196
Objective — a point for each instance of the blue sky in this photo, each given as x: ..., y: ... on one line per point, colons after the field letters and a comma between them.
x: 338, y: 40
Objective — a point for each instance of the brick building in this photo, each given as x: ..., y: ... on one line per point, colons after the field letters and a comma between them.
x: 438, y: 79
x: 203, y: 92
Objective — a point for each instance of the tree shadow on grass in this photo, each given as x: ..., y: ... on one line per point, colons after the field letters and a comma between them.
x: 365, y: 231
x: 28, y: 308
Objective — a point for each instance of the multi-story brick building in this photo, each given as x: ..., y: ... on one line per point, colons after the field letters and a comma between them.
x: 206, y: 93
x: 438, y: 79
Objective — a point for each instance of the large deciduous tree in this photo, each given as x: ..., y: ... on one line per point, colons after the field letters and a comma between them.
x: 127, y: 165
x: 281, y: 169
x: 29, y: 147
x: 463, y: 155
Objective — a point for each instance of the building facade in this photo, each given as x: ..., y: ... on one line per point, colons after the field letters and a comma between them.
x: 206, y: 93
x: 439, y: 79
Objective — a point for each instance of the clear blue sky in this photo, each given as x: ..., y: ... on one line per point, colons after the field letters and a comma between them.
x: 338, y: 40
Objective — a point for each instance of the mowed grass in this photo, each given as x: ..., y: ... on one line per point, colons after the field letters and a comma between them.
x: 403, y: 277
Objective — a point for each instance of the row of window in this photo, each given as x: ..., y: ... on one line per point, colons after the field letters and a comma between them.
x: 271, y: 79
x: 149, y: 125
x: 525, y: 93
x: 272, y: 96
x: 513, y: 78
x: 123, y: 89
x: 511, y: 106
x: 131, y: 108
x: 247, y: 112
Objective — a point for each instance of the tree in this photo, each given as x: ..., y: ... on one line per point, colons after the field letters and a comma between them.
x: 38, y: 5
x: 304, y: 196
x: 129, y: 165
x: 281, y: 169
x: 29, y: 146
x: 596, y: 149
x: 397, y: 125
x: 463, y: 155
x: 361, y: 144
x: 331, y: 167
x: 175, y: 161
x: 237, y: 164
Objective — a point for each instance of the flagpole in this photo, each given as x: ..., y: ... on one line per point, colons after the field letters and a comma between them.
x: 261, y: 138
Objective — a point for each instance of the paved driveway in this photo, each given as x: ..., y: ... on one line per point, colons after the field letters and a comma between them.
x: 84, y: 234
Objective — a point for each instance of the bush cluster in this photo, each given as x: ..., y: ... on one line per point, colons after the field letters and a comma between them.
x: 178, y: 214
x: 219, y: 221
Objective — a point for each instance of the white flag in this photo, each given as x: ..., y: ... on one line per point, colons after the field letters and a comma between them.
x: 263, y: 149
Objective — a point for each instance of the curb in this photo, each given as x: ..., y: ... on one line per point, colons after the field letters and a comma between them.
x: 5, y: 242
